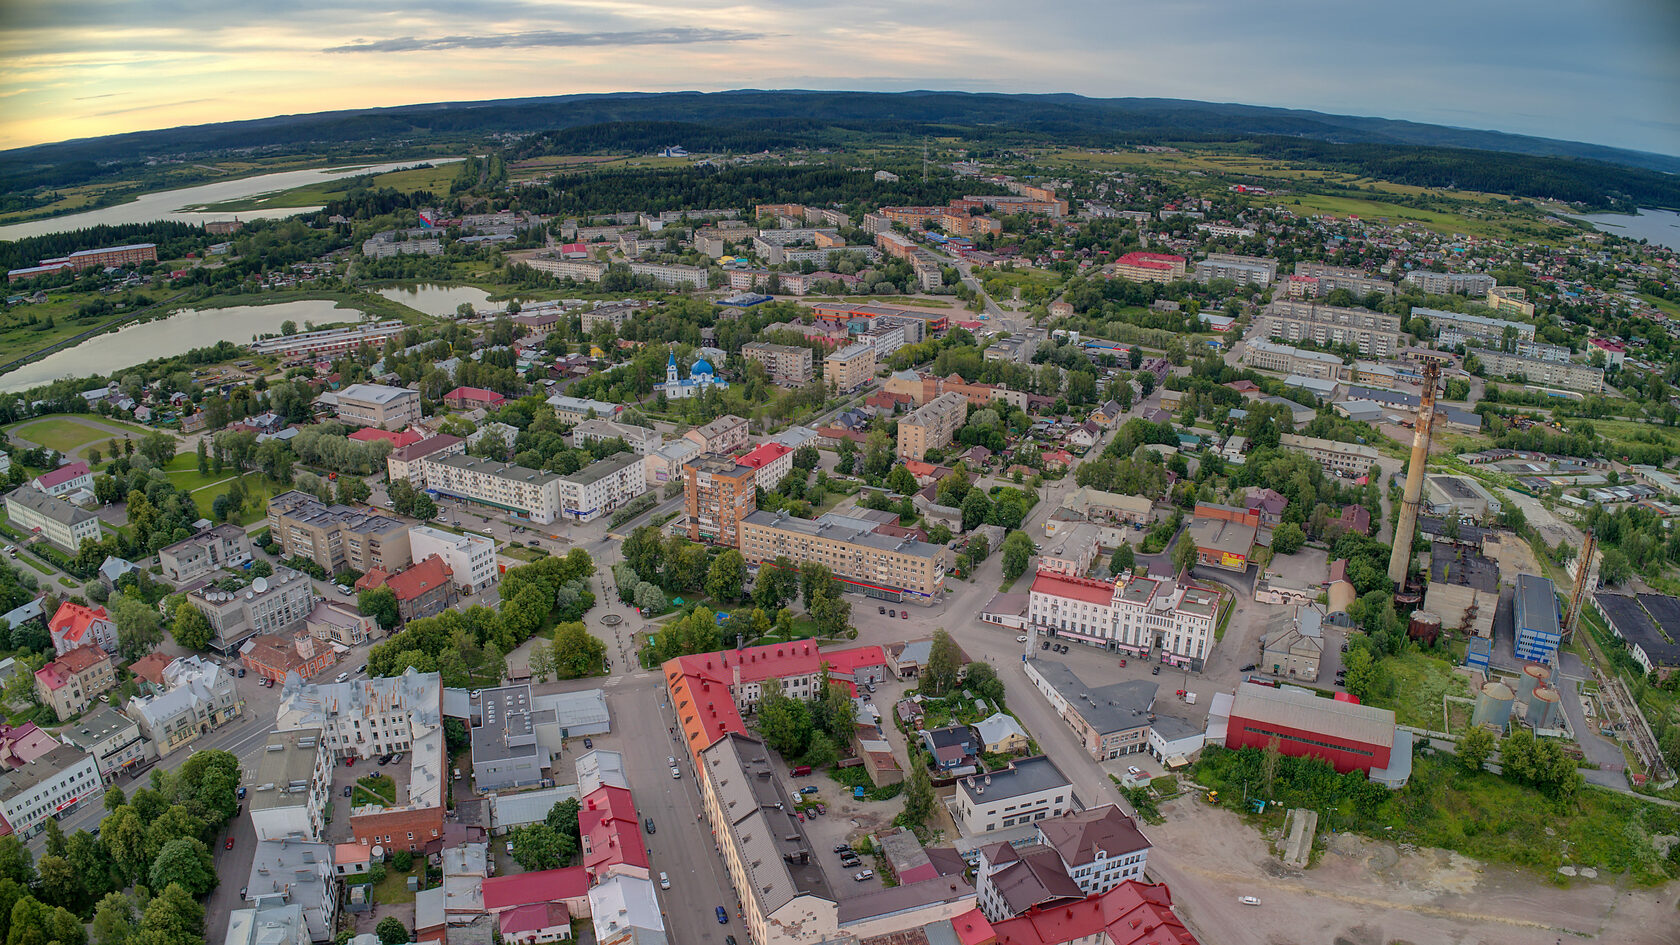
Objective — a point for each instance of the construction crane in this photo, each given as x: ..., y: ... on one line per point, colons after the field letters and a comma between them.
x: 1578, y: 597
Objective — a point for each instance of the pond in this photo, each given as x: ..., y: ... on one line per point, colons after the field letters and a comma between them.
x: 181, y: 332
x: 440, y: 301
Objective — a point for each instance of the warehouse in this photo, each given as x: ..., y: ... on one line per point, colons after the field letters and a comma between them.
x: 1351, y: 737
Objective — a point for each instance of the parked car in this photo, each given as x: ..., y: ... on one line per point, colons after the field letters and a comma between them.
x: 904, y: 615
x: 850, y: 862
x: 671, y: 760
x: 664, y: 881
x: 241, y: 792
x: 799, y: 771
x: 892, y: 613
x: 397, y: 757
x: 1249, y: 900
x: 822, y: 809
x: 348, y: 789
x: 228, y: 845
x: 1045, y: 645
x: 342, y: 677
x: 384, y: 760
x: 241, y: 672
x: 729, y: 940
x: 345, y: 590
x: 880, y: 610
x: 842, y: 848
x: 1021, y: 639
x: 648, y: 823
x: 1133, y: 770
x: 588, y: 743
x: 866, y: 874
x: 676, y: 772
x: 809, y: 789
x: 1155, y: 670
x: 723, y: 917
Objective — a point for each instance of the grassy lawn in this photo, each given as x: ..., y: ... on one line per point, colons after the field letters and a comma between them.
x: 204, y: 488
x: 66, y: 432
x: 1413, y: 688
x: 375, y: 789
x: 394, y: 887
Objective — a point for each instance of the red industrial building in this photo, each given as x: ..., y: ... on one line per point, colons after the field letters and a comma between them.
x: 1351, y: 737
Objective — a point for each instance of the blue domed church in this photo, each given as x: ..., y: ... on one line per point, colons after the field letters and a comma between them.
x: 700, y: 379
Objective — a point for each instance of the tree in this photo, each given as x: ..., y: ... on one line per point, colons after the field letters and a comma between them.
x: 1124, y: 559
x: 576, y: 652
x: 1269, y: 759
x: 542, y: 663
x: 425, y: 508
x: 727, y: 576
x: 832, y: 614
x: 1017, y: 554
x: 114, y: 920
x: 380, y: 603
x: 1614, y: 568
x: 975, y: 508
x: 541, y: 847
x: 1475, y: 747
x: 944, y: 665
x: 563, y: 817
x: 918, y: 792
x: 16, y: 862
x: 187, y: 861
x: 60, y: 886
x: 139, y: 627
x: 1184, y: 554
x: 173, y: 917
x: 901, y: 481
x: 391, y: 931
x: 776, y: 584
x: 1287, y: 538
x: 982, y: 679
x: 191, y: 628
x: 821, y: 750
x: 785, y: 723
x: 1361, y: 672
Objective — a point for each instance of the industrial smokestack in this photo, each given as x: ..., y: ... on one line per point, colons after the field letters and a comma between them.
x: 1400, y: 560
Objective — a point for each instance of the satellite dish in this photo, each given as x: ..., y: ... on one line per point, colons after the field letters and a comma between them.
x: 378, y: 851
x: 260, y: 585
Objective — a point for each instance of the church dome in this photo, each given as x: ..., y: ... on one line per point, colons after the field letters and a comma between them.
x: 701, y: 366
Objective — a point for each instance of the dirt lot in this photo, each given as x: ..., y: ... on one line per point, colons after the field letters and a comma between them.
x: 1363, y: 892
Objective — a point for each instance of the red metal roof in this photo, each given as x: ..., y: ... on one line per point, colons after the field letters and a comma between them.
x: 764, y: 455
x: 72, y: 620
x: 1077, y: 588
x: 972, y: 928
x: 509, y: 892
x: 611, y: 831
x: 397, y: 440
x: 1131, y: 913
x: 699, y: 684
x: 62, y: 474
x: 475, y: 395
x: 425, y: 575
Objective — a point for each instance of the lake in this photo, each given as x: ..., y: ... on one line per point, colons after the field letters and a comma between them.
x: 437, y: 300
x: 181, y: 332
x: 1661, y: 227
x: 179, y: 204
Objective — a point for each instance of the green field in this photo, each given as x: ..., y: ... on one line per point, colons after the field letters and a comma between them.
x: 183, y: 472
x: 1412, y: 685
x: 66, y: 432
x: 434, y: 179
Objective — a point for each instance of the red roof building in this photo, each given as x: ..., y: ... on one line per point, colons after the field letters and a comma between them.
x: 423, y: 589
x: 63, y: 478
x: 471, y: 398
x: 569, y: 886
x: 1131, y: 913
x: 273, y: 655
x: 397, y: 440
x: 612, y: 834
x: 74, y: 625
x: 537, y: 922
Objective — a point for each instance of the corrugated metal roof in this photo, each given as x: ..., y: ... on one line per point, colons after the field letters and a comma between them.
x: 1300, y: 709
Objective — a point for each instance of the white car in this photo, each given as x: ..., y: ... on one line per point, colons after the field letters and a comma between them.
x: 342, y: 677
x: 664, y: 881
x: 866, y: 874
x: 1134, y: 771
x: 676, y: 772
x: 1021, y: 639
x: 1249, y: 900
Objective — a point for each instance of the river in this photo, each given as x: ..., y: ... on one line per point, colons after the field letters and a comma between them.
x: 181, y: 332
x: 1661, y: 227
x: 439, y: 301
x: 179, y: 204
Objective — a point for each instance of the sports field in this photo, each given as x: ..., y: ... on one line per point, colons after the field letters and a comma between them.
x: 67, y: 433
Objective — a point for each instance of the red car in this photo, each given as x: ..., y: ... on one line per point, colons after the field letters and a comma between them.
x: 228, y: 845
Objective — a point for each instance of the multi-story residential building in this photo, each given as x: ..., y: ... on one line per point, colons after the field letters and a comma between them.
x: 329, y: 341
x: 66, y: 479
x: 602, y: 486
x: 931, y: 426
x: 577, y: 409
x: 336, y: 537
x: 1317, y: 280
x: 578, y: 270
x: 726, y: 434
x: 471, y: 558
x: 1243, y: 270
x: 1350, y: 460
x: 276, y: 923
x: 1071, y: 857
x: 885, y: 338
x: 770, y: 462
x: 1284, y: 359
x: 1110, y: 720
x: 641, y: 440
x: 611, y: 314
x: 70, y: 682
x: 340, y: 623
x: 379, y: 405
x: 1541, y: 351
x: 671, y: 274
x: 718, y: 495
x: 532, y: 493
x: 294, y: 872
x: 288, y: 787
x: 274, y: 655
x: 1029, y: 790
x: 1581, y: 378
x: 274, y: 604
x: 1373, y: 334
x: 1150, y: 267
x: 1511, y: 299
x: 111, y: 738
x: 404, y: 461
x: 424, y: 589
x: 32, y: 511
x: 1451, y: 283
x: 666, y: 464
x: 1489, y: 331
x: 850, y: 367
x: 364, y: 718
x: 789, y: 365
x: 215, y: 548
x: 41, y: 778
x: 198, y: 695
x: 894, y: 569
x: 74, y: 625
x: 1135, y: 614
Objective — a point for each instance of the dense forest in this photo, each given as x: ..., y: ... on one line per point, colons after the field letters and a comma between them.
x: 613, y: 191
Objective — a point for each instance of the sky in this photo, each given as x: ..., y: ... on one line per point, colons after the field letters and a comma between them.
x: 1605, y: 72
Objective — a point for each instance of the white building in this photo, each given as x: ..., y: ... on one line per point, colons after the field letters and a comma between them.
x: 379, y: 405
x: 59, y: 522
x: 701, y: 378
x: 602, y: 486
x: 113, y: 739
x: 54, y: 781
x: 624, y: 909
x: 295, y: 872
x: 471, y: 558
x: 276, y: 924
x: 672, y: 274
x: 640, y: 439
x: 533, y: 493
x: 577, y: 409
x: 1073, y: 856
x: 1031, y: 789
x: 1136, y: 614
x: 198, y: 696
x: 287, y: 786
x: 365, y: 717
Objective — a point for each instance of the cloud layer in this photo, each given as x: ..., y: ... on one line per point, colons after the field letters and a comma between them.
x: 1606, y: 72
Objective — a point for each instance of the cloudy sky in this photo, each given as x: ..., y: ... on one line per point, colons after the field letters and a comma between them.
x: 1606, y: 72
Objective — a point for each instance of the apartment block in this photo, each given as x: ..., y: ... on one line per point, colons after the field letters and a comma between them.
x: 198, y: 696
x: 718, y: 495
x: 879, y: 565
x: 1372, y: 334
x: 1580, y: 378
x: 671, y: 274
x: 1150, y: 267
x: 1316, y: 280
x: 404, y: 461
x: 1243, y: 270
x: 789, y: 365
x: 60, y: 523
x: 215, y: 548
x: 289, y: 785
x: 1348, y: 459
x: 641, y: 440
x: 336, y: 537
x: 71, y: 681
x: 850, y: 368
x: 578, y: 270
x: 577, y: 409
x: 42, y: 778
x: 726, y: 434
x: 1511, y: 299
x: 471, y: 558
x: 379, y: 405
x: 1489, y: 331
x: 770, y: 462
x: 1266, y: 356
x: 275, y: 604
x: 1072, y: 856
x: 1452, y: 283
x: 611, y: 314
x: 602, y: 486
x: 532, y: 493
x: 113, y: 739
x: 931, y: 426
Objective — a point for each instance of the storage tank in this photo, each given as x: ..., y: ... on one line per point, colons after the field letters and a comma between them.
x: 1493, y: 705
x: 1543, y: 708
x: 1424, y: 626
x: 1533, y: 674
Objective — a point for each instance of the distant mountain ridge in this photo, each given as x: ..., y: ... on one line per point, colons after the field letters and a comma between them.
x: 1062, y: 117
